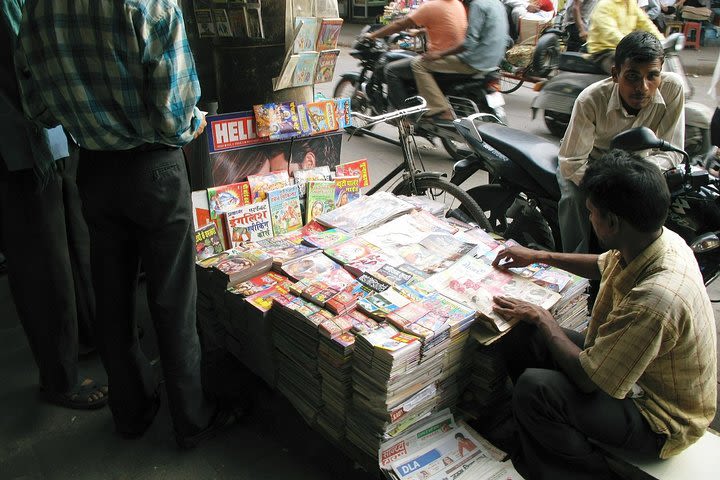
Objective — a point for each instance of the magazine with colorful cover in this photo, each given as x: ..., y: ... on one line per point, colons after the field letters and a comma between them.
x: 315, y: 264
x: 303, y: 176
x: 258, y: 283
x: 249, y: 223
x: 277, y: 120
x: 222, y: 199
x: 285, y: 209
x: 207, y: 242
x: 261, y: 183
x: 201, y: 209
x: 342, y: 112
x: 320, y: 198
x: 263, y: 300
x: 327, y: 238
x: 307, y: 31
x: 365, y: 213
x: 241, y: 266
x: 351, y: 250
x: 325, y: 68
x: 304, y: 73
x: 329, y: 33
x: 232, y: 131
x: 357, y: 168
x: 321, y: 115
x: 347, y: 189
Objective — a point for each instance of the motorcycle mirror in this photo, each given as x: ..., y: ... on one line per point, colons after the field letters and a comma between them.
x: 640, y: 138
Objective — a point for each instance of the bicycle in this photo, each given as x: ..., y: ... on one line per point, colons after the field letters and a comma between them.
x: 415, y: 180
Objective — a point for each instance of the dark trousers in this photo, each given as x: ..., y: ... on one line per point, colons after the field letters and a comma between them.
x: 397, y: 74
x: 555, y: 420
x: 574, y: 42
x: 137, y: 204
x: 46, y: 242
x: 715, y: 128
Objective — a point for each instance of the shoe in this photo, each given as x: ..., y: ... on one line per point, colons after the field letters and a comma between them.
x: 223, y: 419
x: 144, y: 423
x: 85, y: 395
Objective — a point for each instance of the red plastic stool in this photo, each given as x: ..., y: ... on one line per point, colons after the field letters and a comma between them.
x: 692, y: 29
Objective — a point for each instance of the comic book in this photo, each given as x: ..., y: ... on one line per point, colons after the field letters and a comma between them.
x: 315, y: 264
x: 207, y: 242
x: 241, y: 266
x: 222, y: 199
x: 327, y: 238
x: 277, y: 120
x: 320, y: 198
x: 355, y: 168
x: 285, y: 209
x: 321, y: 115
x: 351, y: 250
x: 201, y: 209
x: 380, y: 304
x: 328, y: 33
x: 304, y: 120
x: 348, y: 297
x: 263, y: 300
x: 249, y: 223
x: 261, y: 183
x: 347, y: 189
x: 304, y: 72
x: 257, y: 284
x: 306, y: 34
x: 325, y: 68
x: 342, y: 112
x: 303, y: 176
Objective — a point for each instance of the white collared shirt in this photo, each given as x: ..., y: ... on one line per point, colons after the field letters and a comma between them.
x: 598, y: 115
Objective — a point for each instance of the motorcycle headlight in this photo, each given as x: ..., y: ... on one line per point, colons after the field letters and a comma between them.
x: 705, y: 243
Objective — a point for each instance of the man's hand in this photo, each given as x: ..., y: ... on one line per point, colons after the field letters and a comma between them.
x: 532, y: 8
x: 201, y: 127
x: 516, y: 256
x: 430, y: 56
x: 514, y: 309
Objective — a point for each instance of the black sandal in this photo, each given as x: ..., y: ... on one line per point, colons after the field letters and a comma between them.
x: 85, y: 395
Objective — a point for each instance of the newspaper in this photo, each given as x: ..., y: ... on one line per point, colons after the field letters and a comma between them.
x: 426, y: 431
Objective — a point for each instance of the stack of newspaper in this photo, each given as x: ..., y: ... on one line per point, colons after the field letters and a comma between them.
x: 365, y: 213
x: 489, y: 384
x: 439, y: 448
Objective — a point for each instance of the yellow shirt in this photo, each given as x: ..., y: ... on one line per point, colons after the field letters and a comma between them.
x: 652, y: 338
x: 611, y: 20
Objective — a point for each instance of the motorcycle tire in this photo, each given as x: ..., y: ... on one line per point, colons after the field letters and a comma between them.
x: 556, y: 122
x: 546, y: 56
x: 438, y: 190
x: 360, y: 103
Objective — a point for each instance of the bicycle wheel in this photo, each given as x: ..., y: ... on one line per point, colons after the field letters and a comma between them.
x: 459, y: 203
x: 509, y: 84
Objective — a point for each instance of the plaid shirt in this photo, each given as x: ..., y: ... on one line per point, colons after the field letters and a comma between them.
x: 115, y: 74
x: 653, y: 327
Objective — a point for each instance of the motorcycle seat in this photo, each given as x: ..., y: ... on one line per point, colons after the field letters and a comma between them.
x: 578, y: 62
x: 535, y: 155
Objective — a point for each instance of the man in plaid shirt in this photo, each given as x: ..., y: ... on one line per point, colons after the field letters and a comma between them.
x: 120, y: 78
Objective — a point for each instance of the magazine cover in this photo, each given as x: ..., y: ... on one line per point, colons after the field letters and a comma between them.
x: 329, y: 33
x: 357, y: 168
x: 201, y: 208
x: 303, y: 176
x: 307, y: 32
x: 347, y: 189
x: 327, y: 238
x: 342, y: 112
x: 207, y: 242
x: 262, y: 183
x: 314, y: 265
x: 320, y: 198
x: 263, y: 300
x: 305, y: 69
x: 258, y: 284
x: 366, y: 212
x: 284, y: 80
x: 231, y: 131
x: 285, y: 209
x: 249, y: 223
x: 325, y: 68
x: 228, y: 197
x: 321, y: 115
x: 277, y: 120
x: 351, y: 250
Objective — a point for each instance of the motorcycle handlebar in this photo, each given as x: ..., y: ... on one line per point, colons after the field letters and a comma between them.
x: 421, y: 107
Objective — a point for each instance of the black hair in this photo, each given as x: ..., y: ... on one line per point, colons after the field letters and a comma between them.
x: 630, y: 187
x: 638, y: 46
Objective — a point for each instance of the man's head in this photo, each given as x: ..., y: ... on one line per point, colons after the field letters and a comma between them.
x: 638, y: 62
x: 625, y: 193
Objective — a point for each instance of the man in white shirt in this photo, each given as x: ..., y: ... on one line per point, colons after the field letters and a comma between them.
x: 638, y: 94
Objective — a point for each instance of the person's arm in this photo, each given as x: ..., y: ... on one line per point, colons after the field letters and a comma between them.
x: 563, y: 350
x: 173, y: 89
x: 582, y: 264
x: 672, y: 126
x: 579, y: 20
x: 399, y: 25
x: 577, y: 144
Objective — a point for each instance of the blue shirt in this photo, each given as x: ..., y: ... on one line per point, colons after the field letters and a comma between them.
x: 115, y: 74
x: 486, y: 38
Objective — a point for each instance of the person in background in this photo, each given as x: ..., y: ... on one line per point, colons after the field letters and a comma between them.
x: 639, y: 94
x: 644, y: 376
x: 130, y: 104
x: 445, y: 23
x: 654, y: 12
x: 610, y: 22
x: 576, y: 21
x: 45, y: 238
x: 539, y: 10
x: 484, y: 47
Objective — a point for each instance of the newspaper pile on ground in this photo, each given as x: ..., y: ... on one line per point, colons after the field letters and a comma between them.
x: 439, y: 448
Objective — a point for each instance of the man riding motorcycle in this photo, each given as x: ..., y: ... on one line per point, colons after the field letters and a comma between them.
x: 445, y: 23
x: 638, y: 94
x: 483, y: 49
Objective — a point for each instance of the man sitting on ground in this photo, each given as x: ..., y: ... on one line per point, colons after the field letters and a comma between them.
x: 644, y: 377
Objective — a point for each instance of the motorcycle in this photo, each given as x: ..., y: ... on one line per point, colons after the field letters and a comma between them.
x: 522, y: 194
x: 367, y: 90
x: 576, y: 72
